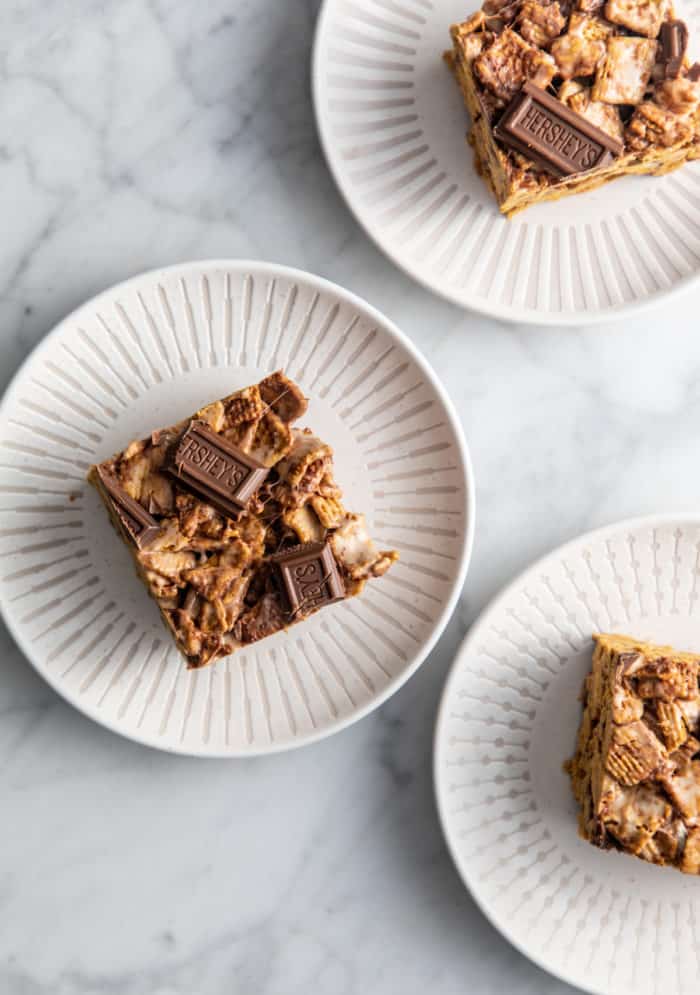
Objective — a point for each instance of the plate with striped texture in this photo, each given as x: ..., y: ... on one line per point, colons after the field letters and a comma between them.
x: 604, y: 921
x: 392, y: 124
x: 145, y: 354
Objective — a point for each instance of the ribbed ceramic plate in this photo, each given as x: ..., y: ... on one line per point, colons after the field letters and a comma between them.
x: 508, y: 720
x: 150, y: 352
x: 393, y: 126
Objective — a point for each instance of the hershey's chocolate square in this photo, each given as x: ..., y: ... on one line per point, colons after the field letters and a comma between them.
x: 553, y: 136
x: 309, y: 576
x: 216, y: 470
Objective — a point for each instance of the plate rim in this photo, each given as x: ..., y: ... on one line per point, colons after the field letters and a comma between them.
x: 494, y: 604
x: 266, y: 267
x: 527, y: 316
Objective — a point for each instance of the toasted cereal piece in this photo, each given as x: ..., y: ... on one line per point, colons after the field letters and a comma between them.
x: 593, y: 28
x: 509, y: 62
x: 540, y: 23
x: 690, y: 862
x: 578, y: 52
x: 644, y: 17
x: 468, y: 39
x: 603, y: 116
x: 634, y: 753
x: 624, y: 71
x: 590, y: 6
x: 671, y: 724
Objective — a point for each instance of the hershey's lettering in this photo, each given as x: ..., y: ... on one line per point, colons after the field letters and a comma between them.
x: 310, y: 577
x: 553, y: 136
x: 216, y: 470
x: 213, y: 463
x: 557, y: 136
x: 309, y: 582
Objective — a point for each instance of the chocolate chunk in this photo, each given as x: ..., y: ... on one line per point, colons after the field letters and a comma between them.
x: 141, y: 527
x: 487, y: 105
x: 674, y: 42
x: 215, y: 470
x: 553, y: 136
x: 310, y: 577
x: 694, y: 72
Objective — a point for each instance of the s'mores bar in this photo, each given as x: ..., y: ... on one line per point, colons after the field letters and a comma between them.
x: 565, y: 95
x: 636, y: 770
x: 235, y: 522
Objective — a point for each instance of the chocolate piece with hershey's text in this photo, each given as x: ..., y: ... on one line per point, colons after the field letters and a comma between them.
x: 553, y: 136
x: 309, y: 576
x: 215, y: 470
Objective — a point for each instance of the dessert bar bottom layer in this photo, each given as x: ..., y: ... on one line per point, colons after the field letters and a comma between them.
x: 514, y: 194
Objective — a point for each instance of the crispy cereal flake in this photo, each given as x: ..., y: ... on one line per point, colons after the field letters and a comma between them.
x: 644, y: 17
x: 624, y: 72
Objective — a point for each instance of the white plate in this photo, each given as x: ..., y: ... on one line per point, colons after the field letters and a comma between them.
x: 393, y: 125
x: 508, y: 720
x: 148, y: 353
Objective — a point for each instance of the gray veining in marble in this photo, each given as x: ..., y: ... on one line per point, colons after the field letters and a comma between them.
x: 135, y: 133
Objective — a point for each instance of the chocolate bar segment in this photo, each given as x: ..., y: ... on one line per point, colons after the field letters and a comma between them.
x: 136, y: 522
x: 216, y: 471
x: 309, y: 576
x: 674, y: 42
x: 553, y: 136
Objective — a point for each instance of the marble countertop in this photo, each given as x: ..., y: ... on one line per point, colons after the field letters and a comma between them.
x: 136, y: 133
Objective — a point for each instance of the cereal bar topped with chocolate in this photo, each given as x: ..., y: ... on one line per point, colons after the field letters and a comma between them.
x: 565, y: 95
x: 235, y: 522
x: 636, y: 770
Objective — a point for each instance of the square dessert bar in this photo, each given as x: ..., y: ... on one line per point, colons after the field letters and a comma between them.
x: 565, y: 95
x: 235, y: 522
x: 636, y: 770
